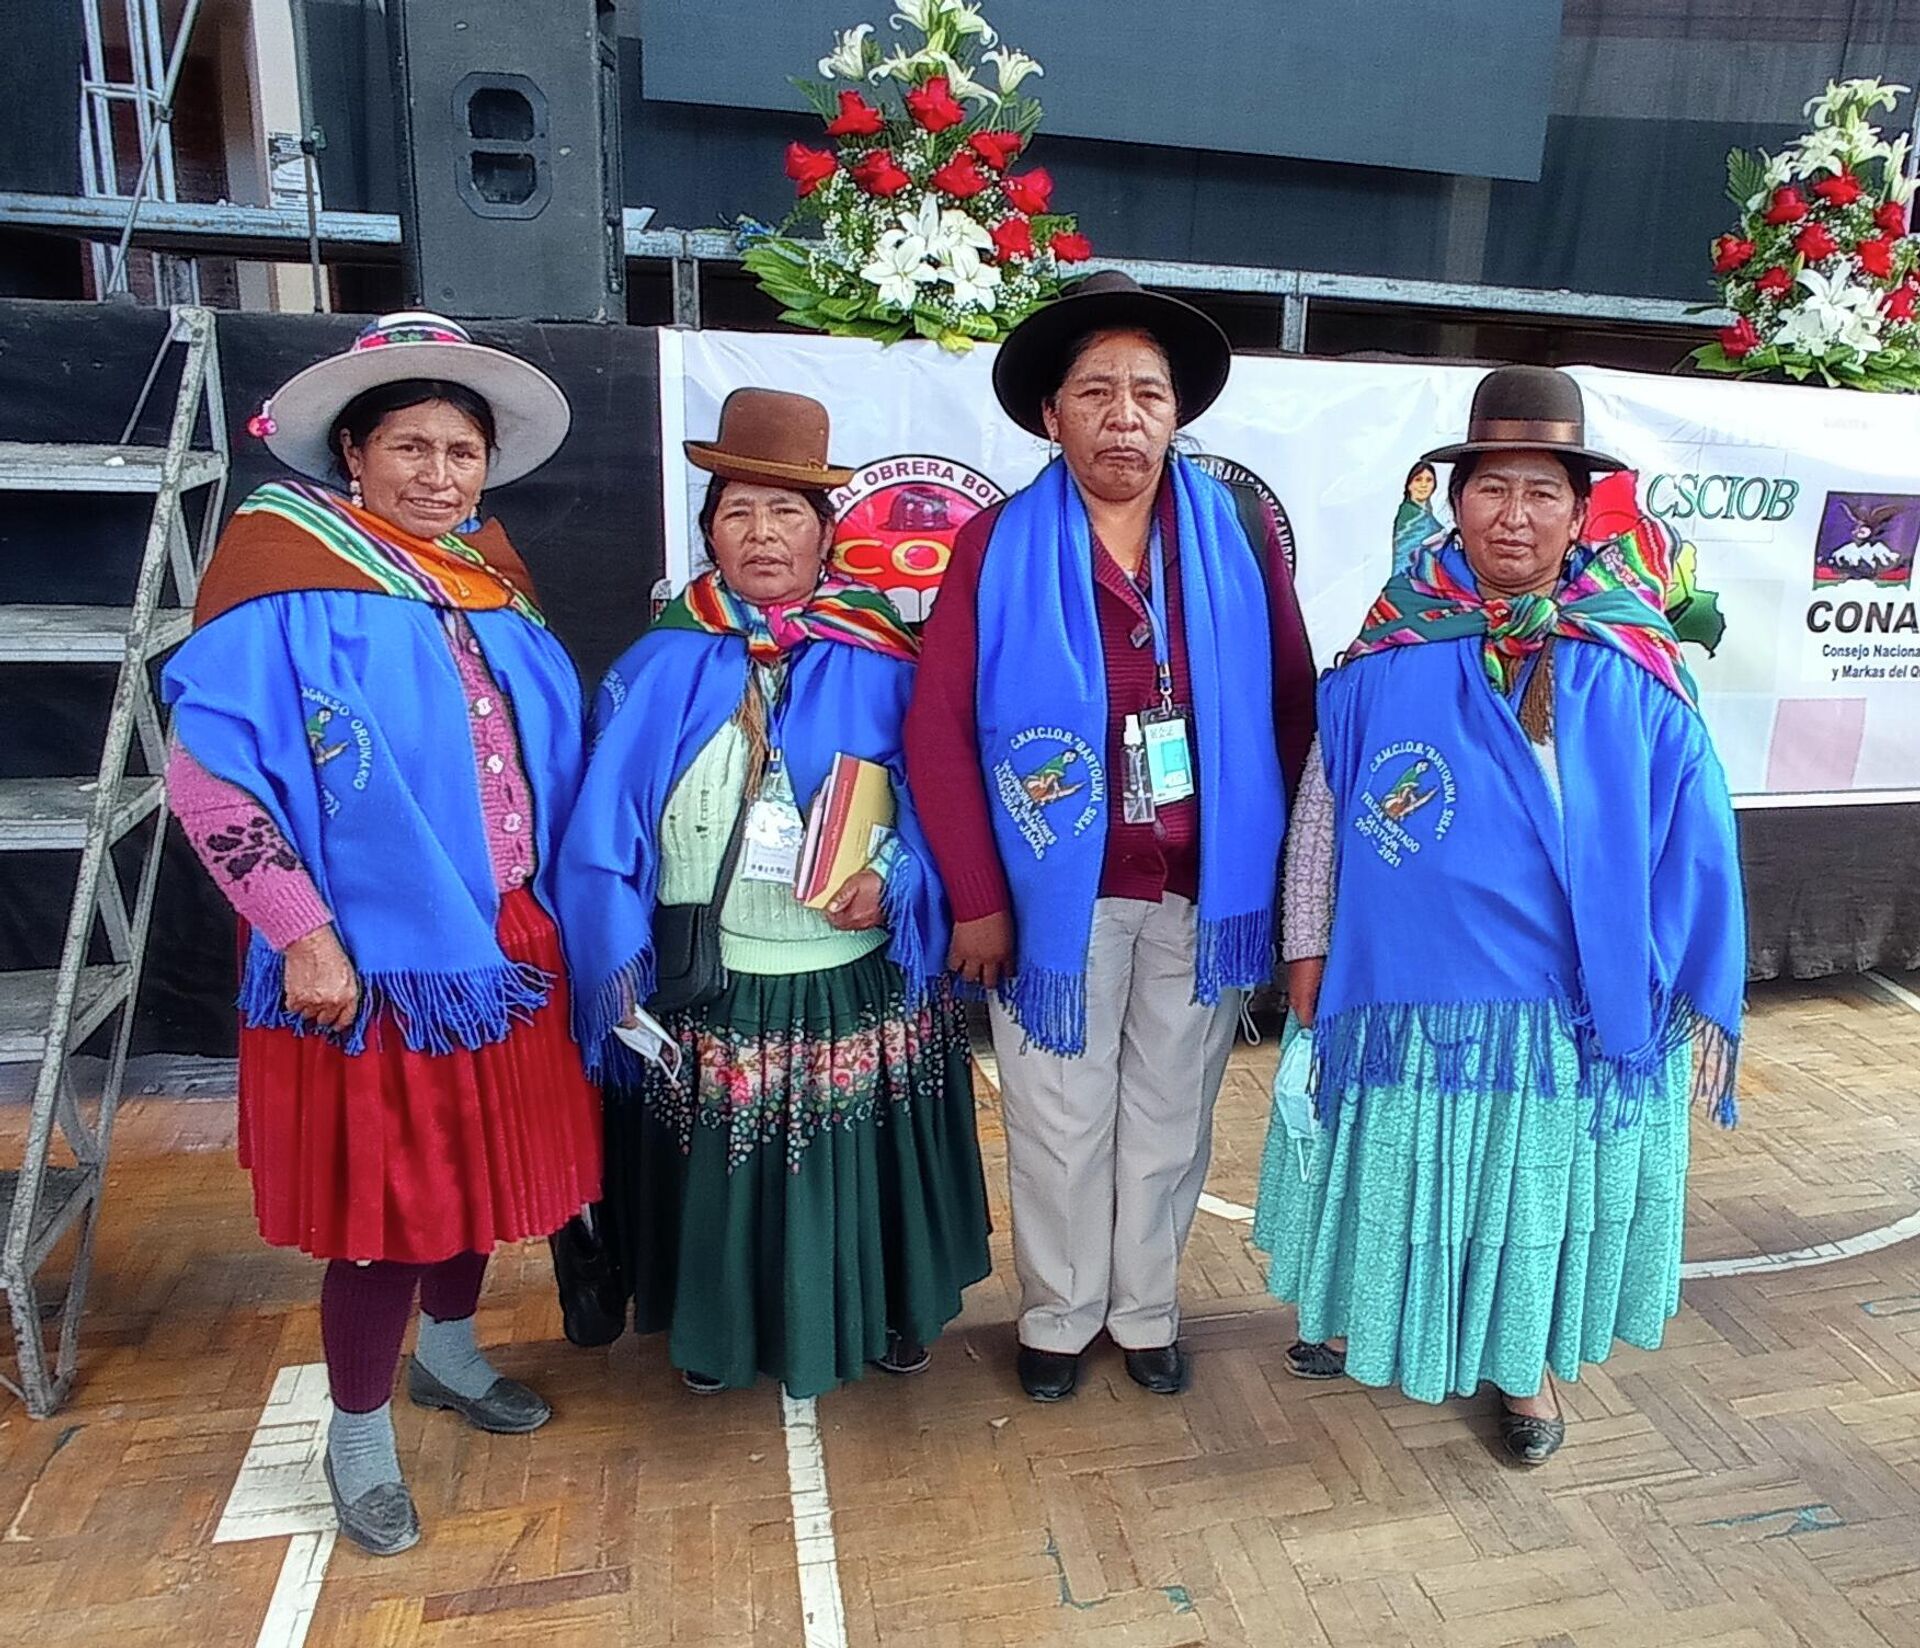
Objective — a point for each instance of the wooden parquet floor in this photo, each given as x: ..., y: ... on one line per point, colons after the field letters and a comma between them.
x: 1756, y: 1482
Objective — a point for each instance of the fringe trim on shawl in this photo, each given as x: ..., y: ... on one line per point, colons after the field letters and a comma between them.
x: 436, y: 1012
x: 1233, y: 954
x: 1051, y: 1007
x: 904, y: 949
x: 1506, y: 1047
x: 597, y: 1011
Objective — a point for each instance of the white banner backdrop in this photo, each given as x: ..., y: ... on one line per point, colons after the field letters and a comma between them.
x: 1797, y: 512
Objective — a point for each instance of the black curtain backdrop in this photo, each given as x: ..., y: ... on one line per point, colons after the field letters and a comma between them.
x: 1648, y: 97
x: 588, y: 525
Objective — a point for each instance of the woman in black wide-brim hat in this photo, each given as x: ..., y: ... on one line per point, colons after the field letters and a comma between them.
x: 1115, y: 692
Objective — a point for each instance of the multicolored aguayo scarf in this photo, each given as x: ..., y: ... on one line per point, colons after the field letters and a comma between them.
x: 319, y: 680
x: 1494, y: 897
x: 1614, y: 594
x: 849, y: 678
x: 838, y: 610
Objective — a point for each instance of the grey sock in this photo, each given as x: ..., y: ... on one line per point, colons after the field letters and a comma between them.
x: 447, y: 1351
x: 360, y: 1449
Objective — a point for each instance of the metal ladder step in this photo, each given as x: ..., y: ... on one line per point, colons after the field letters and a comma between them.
x: 50, y: 815
x: 34, y: 466
x: 82, y: 635
x: 64, y: 1195
x: 26, y: 1006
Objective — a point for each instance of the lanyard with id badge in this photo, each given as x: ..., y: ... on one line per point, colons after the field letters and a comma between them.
x: 1159, y: 755
x: 770, y: 848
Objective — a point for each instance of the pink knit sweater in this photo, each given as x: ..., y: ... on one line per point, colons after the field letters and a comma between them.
x: 258, y: 870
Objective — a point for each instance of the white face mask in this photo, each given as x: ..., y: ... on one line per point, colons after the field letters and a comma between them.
x: 648, y: 1037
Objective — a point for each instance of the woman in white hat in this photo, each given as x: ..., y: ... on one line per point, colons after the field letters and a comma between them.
x: 377, y: 741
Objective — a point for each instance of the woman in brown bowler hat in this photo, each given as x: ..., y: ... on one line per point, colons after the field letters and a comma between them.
x: 793, y: 1179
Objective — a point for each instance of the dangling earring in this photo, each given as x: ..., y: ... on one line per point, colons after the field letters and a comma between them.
x: 353, y: 492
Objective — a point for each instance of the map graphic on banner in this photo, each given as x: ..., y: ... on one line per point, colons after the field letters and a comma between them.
x: 1790, y: 517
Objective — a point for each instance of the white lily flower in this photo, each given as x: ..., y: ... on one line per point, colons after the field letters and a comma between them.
x: 966, y: 22
x: 974, y: 281
x: 1824, y: 149
x: 1014, y: 67
x: 1835, y: 314
x: 899, y: 268
x: 958, y: 229
x: 848, y: 59
x: 922, y: 14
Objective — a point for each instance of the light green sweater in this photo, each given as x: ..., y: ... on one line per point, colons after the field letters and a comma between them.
x: 763, y: 927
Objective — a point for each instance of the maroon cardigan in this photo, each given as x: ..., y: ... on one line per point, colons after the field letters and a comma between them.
x: 1143, y: 861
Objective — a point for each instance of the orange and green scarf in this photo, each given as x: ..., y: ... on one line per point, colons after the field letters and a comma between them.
x: 838, y: 610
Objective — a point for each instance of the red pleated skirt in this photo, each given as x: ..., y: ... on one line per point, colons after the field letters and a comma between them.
x: 414, y: 1157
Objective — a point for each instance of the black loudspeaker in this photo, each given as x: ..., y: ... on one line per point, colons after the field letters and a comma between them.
x: 507, y: 118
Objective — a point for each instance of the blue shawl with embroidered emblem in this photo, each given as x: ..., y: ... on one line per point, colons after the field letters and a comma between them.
x: 660, y: 705
x: 343, y: 714
x: 1491, y: 898
x: 1041, y: 704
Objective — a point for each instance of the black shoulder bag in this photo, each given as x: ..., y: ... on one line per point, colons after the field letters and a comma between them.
x: 688, y: 971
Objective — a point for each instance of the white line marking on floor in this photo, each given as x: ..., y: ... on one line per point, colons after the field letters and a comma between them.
x: 1899, y: 992
x: 280, y: 1491
x: 1220, y: 1209
x: 821, y: 1606
x: 1821, y: 1253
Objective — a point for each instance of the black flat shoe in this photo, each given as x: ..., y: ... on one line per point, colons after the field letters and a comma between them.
x: 1048, y: 1375
x: 1162, y: 1370
x: 702, y: 1384
x: 382, y: 1521
x: 1313, y: 1361
x: 1530, y: 1440
x: 508, y: 1408
x: 904, y: 1356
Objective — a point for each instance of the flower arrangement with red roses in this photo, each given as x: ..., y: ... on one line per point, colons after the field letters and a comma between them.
x: 1823, y: 274
x: 931, y: 224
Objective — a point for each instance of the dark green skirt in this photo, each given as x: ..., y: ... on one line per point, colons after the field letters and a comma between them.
x: 813, y: 1181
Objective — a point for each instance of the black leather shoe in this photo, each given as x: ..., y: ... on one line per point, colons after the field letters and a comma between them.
x: 509, y: 1408
x: 904, y: 1356
x: 1048, y: 1375
x: 1162, y: 1370
x: 1307, y: 1360
x: 1528, y: 1440
x: 382, y: 1521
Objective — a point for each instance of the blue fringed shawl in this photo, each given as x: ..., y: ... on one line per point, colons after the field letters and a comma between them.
x: 660, y: 705
x: 1042, y: 700
x: 344, y: 716
x: 1477, y: 919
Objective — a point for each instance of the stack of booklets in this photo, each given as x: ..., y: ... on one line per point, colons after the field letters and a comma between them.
x: 844, y: 825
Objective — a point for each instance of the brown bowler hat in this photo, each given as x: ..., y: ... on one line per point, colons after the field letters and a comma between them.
x: 1526, y: 409
x: 1033, y: 359
x: 772, y: 439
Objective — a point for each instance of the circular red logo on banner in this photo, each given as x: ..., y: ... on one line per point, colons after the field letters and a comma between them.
x: 895, y: 523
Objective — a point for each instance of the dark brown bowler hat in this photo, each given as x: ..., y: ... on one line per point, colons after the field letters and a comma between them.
x: 1033, y: 359
x: 1526, y: 409
x: 771, y: 438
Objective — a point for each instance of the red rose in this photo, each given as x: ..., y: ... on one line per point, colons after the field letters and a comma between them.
x: 934, y: 106
x: 809, y: 168
x: 1030, y: 191
x: 1729, y: 252
x: 1740, y: 339
x: 1842, y: 189
x: 1813, y: 242
x: 960, y: 177
x: 857, y: 118
x: 1071, y: 248
x: 1787, y: 206
x: 880, y: 174
x: 1892, y: 217
x: 1876, y: 256
x: 1775, y: 281
x: 1013, y: 238
x: 1900, y: 302
x: 997, y: 149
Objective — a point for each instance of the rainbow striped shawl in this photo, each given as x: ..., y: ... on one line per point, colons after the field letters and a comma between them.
x: 838, y: 610
x: 1613, y: 593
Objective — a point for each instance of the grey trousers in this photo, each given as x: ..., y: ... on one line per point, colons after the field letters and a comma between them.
x: 1107, y: 1153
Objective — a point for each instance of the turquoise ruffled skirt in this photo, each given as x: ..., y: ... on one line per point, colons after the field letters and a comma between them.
x: 1478, y: 1238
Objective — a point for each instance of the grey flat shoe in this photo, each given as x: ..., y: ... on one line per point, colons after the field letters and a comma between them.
x: 1530, y: 1440
x: 1317, y: 1362
x: 382, y: 1521
x: 509, y: 1408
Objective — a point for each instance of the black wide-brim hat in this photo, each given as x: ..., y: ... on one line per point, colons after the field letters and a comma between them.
x: 1526, y: 409
x: 1034, y: 357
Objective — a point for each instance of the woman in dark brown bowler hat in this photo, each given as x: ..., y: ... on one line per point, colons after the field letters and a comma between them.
x: 793, y: 1178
